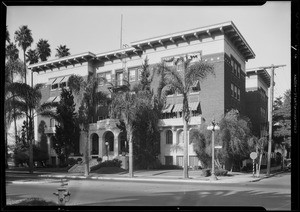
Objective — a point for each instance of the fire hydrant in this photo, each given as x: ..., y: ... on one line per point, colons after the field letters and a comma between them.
x: 63, y: 194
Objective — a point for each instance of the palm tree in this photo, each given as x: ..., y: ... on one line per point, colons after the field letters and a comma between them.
x: 12, y: 52
x: 32, y: 56
x: 43, y: 49
x: 86, y: 90
x: 27, y: 97
x: 24, y: 38
x: 182, y: 81
x: 7, y: 38
x: 62, y: 51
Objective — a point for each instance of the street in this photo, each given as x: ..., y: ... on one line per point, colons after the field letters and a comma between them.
x: 272, y: 193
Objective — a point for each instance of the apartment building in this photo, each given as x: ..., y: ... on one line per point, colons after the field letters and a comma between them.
x: 220, y: 44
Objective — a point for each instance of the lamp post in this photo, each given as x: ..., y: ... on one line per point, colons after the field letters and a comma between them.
x: 106, y: 144
x: 213, y: 127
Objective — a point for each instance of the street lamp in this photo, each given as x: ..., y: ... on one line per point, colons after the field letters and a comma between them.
x: 106, y: 144
x: 213, y: 127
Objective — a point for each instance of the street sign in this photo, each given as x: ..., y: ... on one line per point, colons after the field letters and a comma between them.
x: 218, y: 147
x: 253, y: 155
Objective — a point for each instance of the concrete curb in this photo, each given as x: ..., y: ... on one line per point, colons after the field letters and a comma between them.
x: 143, y: 179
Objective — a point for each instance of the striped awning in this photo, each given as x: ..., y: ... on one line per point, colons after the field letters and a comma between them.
x: 51, y: 81
x: 193, y: 105
x: 196, y: 83
x: 168, y: 108
x: 177, y: 108
x: 65, y: 79
x: 53, y: 99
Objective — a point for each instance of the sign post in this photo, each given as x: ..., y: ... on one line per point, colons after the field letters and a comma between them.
x: 253, y: 156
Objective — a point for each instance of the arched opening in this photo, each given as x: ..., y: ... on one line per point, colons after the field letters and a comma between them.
x: 95, y: 144
x: 108, y: 142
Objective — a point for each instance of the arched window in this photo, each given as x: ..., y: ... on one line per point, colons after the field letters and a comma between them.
x: 169, y: 137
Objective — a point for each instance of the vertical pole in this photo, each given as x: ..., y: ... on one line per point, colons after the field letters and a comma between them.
x: 270, y: 120
x: 253, y: 167
x: 121, y: 31
x: 213, y: 176
x: 30, y: 128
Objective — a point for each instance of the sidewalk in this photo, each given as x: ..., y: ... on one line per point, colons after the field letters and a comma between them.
x: 157, y: 176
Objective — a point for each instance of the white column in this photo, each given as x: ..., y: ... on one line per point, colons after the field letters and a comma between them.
x: 116, y: 145
x: 162, y: 145
x: 49, y: 147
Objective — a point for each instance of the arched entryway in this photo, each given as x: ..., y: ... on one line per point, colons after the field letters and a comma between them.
x: 95, y: 144
x: 108, y: 143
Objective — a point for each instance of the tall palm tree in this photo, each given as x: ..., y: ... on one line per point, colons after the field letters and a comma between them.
x: 127, y: 102
x: 27, y: 97
x: 32, y: 56
x: 182, y: 81
x: 24, y: 38
x: 12, y: 52
x: 86, y: 90
x: 43, y: 49
x: 62, y: 51
x: 7, y: 37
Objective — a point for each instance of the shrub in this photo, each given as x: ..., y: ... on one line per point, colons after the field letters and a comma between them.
x: 108, y: 163
x: 168, y: 167
x: 206, y: 172
x: 71, y: 162
x: 221, y: 172
x: 99, y: 160
x: 35, y: 202
x: 218, y: 172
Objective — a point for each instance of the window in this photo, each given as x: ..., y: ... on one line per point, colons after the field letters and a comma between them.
x: 235, y: 92
x: 169, y: 137
x: 54, y: 86
x: 239, y: 72
x: 63, y: 84
x: 52, y: 123
x: 232, y: 89
x: 232, y: 65
x: 119, y: 77
x: 102, y: 76
x: 132, y: 75
x: 179, y: 66
x: 238, y: 93
x: 139, y: 73
x: 168, y: 160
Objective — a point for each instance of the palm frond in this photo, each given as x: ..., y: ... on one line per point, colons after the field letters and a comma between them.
x: 198, y: 71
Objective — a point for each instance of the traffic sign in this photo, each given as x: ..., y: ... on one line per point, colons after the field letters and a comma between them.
x: 253, y: 155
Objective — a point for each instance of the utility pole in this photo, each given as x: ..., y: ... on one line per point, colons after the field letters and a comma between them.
x: 270, y: 114
x: 121, y: 31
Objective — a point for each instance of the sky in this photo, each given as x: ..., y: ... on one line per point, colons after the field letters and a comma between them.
x: 266, y: 28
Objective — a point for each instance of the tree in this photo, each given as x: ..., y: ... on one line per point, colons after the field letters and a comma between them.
x: 43, y: 49
x: 12, y: 53
x: 62, y: 51
x: 7, y: 37
x: 182, y: 81
x: 282, y: 122
x: 43, y: 137
x: 24, y: 38
x: 32, y: 56
x: 90, y: 98
x: 201, y: 139
x: 27, y: 97
x: 234, y: 136
x: 67, y: 132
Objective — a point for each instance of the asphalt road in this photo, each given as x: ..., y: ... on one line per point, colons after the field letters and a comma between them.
x: 272, y: 193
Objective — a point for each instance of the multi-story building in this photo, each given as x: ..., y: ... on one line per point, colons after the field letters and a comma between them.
x: 221, y: 44
x: 257, y: 83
